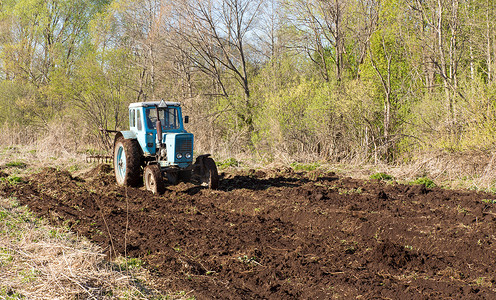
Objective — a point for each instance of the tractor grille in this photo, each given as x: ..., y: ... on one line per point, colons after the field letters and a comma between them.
x: 184, y: 145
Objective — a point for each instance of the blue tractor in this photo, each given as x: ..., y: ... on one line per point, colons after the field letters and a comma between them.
x: 156, y: 147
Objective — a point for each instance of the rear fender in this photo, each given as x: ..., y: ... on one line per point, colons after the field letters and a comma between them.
x: 128, y: 135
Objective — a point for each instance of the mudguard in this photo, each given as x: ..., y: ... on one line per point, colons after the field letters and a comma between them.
x: 125, y: 134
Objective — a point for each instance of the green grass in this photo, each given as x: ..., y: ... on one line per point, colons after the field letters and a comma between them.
x: 381, y: 176
x: 10, y: 294
x: 12, y: 179
x: 16, y: 164
x: 130, y: 263
x: 230, y: 162
x: 428, y: 183
x: 73, y: 168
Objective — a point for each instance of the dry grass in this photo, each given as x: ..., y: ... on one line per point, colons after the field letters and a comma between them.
x: 38, y: 261
x: 460, y: 170
x: 467, y: 170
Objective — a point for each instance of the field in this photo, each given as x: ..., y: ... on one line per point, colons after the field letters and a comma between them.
x: 282, y: 234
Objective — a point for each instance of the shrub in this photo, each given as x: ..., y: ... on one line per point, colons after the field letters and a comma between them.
x: 381, y: 176
x: 429, y: 183
x: 230, y: 162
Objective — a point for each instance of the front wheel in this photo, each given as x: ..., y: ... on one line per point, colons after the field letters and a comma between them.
x: 173, y: 177
x: 210, y: 176
x: 153, y: 179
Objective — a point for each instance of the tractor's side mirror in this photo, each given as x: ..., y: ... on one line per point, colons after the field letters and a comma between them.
x: 186, y: 119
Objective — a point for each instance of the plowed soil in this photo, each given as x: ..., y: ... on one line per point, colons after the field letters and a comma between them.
x: 278, y: 234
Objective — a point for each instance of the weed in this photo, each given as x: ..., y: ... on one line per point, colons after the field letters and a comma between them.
x: 350, y: 250
x: 428, y: 183
x: 91, y: 151
x: 249, y: 260
x: 73, y: 168
x: 350, y: 247
x: 16, y: 164
x: 381, y: 176
x: 29, y: 276
x: 192, y: 210
x: 358, y: 190
x: 130, y: 263
x: 461, y: 210
x: 5, y: 257
x: 489, y: 201
x: 8, y: 293
x: 482, y: 281
x: 304, y: 167
x: 230, y: 162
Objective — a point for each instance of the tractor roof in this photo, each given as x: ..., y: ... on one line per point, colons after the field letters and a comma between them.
x: 153, y: 104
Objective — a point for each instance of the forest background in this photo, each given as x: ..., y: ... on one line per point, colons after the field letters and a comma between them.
x: 313, y: 80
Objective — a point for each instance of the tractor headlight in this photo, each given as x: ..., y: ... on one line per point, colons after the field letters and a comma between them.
x: 187, y: 155
x: 179, y: 156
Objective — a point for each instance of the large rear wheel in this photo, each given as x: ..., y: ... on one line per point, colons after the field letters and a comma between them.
x: 153, y: 179
x: 127, y: 158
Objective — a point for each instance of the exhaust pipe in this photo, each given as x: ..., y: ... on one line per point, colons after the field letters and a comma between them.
x: 158, y: 125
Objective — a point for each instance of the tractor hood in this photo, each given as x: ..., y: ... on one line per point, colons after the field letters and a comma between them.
x: 179, y: 148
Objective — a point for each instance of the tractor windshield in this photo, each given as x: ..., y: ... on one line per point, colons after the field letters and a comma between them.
x: 168, y: 117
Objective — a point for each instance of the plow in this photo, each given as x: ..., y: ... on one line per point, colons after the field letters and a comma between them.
x: 101, y: 159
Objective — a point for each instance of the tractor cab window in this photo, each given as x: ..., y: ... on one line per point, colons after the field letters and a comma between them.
x: 168, y: 117
x: 132, y: 120
x: 138, y: 119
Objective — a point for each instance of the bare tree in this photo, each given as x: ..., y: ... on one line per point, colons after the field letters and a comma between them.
x: 141, y: 26
x: 319, y: 27
x: 214, y: 36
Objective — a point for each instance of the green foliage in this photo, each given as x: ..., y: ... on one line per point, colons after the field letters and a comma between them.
x: 249, y: 260
x: 381, y: 176
x: 428, y: 183
x: 9, y: 294
x: 14, y: 179
x: 73, y: 168
x: 80, y: 63
x: 230, y: 162
x: 132, y: 264
x: 16, y: 164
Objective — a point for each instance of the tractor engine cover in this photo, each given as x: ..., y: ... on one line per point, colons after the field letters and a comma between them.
x: 179, y: 149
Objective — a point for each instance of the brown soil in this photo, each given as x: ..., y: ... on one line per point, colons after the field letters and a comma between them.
x: 278, y: 234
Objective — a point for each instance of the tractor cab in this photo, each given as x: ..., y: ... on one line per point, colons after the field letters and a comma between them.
x: 159, y: 130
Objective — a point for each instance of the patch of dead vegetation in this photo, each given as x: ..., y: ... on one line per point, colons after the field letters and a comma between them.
x: 38, y: 261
